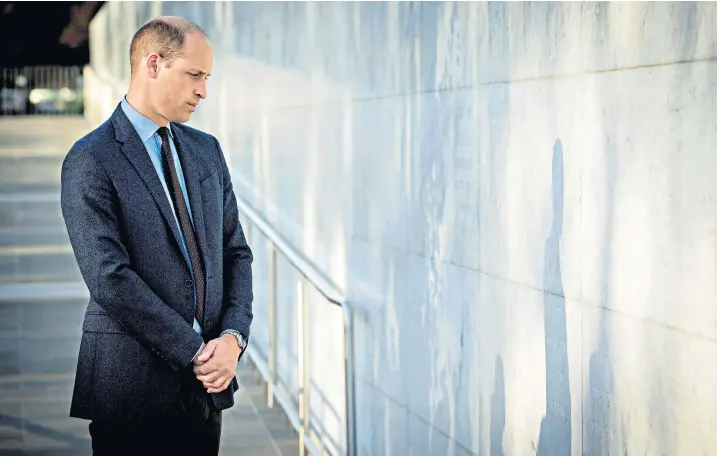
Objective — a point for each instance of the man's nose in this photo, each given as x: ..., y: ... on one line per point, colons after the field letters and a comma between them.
x: 201, y: 90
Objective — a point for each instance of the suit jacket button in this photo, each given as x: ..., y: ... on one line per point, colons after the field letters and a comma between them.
x: 188, y: 283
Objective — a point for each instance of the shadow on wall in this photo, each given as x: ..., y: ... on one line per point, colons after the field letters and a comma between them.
x: 555, y: 430
x: 598, y: 433
x: 497, y: 410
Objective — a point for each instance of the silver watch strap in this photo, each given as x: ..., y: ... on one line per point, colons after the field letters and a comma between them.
x: 241, y: 340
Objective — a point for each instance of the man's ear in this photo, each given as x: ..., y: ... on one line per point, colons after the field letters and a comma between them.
x: 153, y: 65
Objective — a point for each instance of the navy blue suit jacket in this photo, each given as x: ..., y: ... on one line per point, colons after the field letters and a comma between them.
x: 137, y: 341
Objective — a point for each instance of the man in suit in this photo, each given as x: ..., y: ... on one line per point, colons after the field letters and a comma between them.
x: 153, y: 222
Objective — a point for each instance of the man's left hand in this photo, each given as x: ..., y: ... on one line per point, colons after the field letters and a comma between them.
x: 217, y: 363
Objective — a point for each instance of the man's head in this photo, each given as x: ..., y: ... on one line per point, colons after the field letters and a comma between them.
x: 170, y: 60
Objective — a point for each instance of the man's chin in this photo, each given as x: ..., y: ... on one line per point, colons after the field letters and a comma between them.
x: 182, y: 119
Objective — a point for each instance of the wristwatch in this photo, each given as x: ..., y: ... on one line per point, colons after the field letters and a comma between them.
x: 241, y: 340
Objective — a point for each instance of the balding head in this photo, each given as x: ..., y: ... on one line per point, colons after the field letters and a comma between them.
x: 162, y: 35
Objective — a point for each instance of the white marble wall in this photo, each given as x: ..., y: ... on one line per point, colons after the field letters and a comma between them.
x: 520, y: 198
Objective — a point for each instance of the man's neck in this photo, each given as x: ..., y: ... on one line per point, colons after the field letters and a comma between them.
x: 135, y: 99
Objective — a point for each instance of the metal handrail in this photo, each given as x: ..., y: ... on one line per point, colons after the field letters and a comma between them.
x: 310, y: 275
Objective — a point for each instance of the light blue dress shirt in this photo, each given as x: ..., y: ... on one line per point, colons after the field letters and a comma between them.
x: 147, y: 131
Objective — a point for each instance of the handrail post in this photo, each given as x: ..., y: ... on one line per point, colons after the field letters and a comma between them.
x: 349, y: 382
x: 249, y: 233
x: 304, y: 373
x: 271, y: 355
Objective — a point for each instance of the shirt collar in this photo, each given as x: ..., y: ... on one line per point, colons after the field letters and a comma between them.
x: 145, y: 128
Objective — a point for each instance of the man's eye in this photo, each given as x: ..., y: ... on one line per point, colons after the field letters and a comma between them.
x: 194, y: 75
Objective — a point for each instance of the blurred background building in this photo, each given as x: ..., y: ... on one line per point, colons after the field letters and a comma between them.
x: 43, y: 47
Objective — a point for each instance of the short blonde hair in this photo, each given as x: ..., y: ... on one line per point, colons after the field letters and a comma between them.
x: 162, y: 35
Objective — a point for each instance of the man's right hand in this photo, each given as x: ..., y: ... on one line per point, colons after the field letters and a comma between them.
x: 217, y: 364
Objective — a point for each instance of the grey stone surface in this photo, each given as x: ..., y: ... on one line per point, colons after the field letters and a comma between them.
x: 18, y: 214
x: 39, y: 338
x: 38, y: 264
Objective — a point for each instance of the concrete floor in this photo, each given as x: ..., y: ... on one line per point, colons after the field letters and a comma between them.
x: 42, y: 303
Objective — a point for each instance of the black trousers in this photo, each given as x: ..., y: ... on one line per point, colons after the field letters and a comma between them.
x: 195, y: 432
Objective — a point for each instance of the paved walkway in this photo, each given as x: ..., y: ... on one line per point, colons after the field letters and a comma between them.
x: 42, y: 302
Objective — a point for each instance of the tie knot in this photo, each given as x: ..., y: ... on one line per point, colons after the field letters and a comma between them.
x: 163, y: 133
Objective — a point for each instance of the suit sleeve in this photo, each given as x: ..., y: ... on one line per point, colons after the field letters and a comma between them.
x: 237, y: 259
x: 90, y: 208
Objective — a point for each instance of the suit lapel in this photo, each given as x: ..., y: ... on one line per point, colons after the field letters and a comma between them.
x: 137, y: 155
x: 193, y: 169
